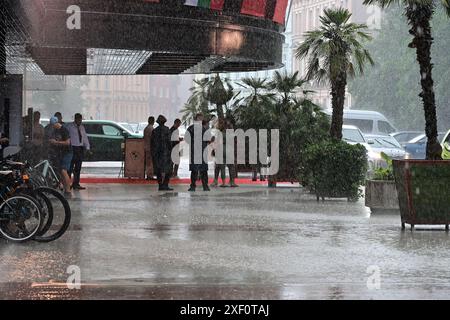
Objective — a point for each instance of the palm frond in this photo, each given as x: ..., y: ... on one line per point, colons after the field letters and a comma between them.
x: 338, y: 44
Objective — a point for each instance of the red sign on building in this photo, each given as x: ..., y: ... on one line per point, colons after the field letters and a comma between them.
x: 217, y: 4
x: 254, y: 8
x: 280, y: 11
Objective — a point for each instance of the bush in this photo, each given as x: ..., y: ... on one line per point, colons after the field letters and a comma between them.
x: 303, y: 126
x: 336, y: 169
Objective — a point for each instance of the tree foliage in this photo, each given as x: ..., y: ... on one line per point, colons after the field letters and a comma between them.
x: 283, y: 104
x: 335, y: 52
x: 393, y: 85
x: 210, y: 96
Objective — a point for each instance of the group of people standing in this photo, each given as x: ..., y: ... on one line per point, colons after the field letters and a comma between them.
x: 64, y: 145
x: 161, y: 141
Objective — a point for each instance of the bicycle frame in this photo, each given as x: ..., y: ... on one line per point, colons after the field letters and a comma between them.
x: 46, y: 169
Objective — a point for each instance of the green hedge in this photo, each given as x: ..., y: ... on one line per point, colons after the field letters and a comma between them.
x: 336, y: 169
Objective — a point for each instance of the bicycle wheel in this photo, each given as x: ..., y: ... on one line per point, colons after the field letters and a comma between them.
x: 46, y: 209
x: 52, y: 182
x: 37, y: 180
x: 20, y: 218
x: 61, y: 215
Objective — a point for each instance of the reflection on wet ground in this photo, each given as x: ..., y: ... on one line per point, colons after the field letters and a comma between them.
x: 133, y: 242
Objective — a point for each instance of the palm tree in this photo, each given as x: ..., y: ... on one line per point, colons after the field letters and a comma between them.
x: 257, y: 88
x: 250, y: 108
x: 198, y: 101
x: 419, y: 14
x: 206, y: 92
x: 286, y: 85
x: 334, y: 53
x: 219, y: 95
x: 286, y: 113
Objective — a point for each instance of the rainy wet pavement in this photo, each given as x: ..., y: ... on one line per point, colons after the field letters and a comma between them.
x: 132, y: 242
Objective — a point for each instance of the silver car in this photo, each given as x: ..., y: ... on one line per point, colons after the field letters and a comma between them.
x: 386, y: 144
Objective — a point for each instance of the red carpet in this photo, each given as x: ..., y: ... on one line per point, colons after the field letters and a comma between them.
x: 173, y: 182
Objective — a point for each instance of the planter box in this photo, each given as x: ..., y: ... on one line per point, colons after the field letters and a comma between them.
x: 381, y: 196
x: 423, y: 191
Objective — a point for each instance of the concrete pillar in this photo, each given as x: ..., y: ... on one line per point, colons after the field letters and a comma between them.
x: 11, y: 87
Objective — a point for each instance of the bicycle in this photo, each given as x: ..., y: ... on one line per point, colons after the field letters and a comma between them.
x: 56, y: 209
x: 20, y: 214
x: 47, y: 177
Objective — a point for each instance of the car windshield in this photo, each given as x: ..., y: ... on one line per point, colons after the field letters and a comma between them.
x: 423, y: 138
x: 127, y: 126
x: 134, y: 126
x: 404, y: 137
x: 352, y: 135
x: 365, y: 126
x: 419, y: 139
x: 142, y: 126
x: 385, y: 142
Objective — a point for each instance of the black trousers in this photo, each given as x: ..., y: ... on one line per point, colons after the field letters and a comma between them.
x: 163, y: 179
x: 203, y: 176
x: 75, y: 166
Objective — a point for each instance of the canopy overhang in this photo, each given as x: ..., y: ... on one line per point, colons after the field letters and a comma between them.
x: 122, y: 37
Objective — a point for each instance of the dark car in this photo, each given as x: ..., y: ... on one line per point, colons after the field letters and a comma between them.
x: 106, y: 139
x: 404, y: 137
x: 417, y: 147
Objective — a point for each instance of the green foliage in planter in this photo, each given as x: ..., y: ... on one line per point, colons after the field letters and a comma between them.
x: 384, y: 174
x: 278, y: 105
x: 336, y: 168
x: 307, y: 125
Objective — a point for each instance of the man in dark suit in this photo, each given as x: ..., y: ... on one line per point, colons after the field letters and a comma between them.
x: 198, y: 144
x: 162, y: 152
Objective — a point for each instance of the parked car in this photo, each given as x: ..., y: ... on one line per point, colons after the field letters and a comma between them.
x: 369, y: 122
x: 106, y: 138
x: 404, y: 137
x: 352, y: 135
x: 446, y: 147
x: 417, y: 147
x: 386, y: 144
x: 44, y: 122
x: 134, y: 127
x: 127, y: 126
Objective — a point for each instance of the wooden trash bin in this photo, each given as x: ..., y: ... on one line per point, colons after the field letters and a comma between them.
x: 134, y: 159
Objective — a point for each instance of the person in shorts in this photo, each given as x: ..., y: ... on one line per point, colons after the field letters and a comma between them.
x: 60, y: 152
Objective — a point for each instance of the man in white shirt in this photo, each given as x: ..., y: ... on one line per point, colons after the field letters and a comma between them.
x: 80, y: 142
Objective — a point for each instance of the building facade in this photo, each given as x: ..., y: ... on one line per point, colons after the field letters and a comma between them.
x: 306, y: 17
x: 134, y: 98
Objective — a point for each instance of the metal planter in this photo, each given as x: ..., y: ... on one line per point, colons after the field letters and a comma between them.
x: 423, y: 192
x: 381, y: 196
